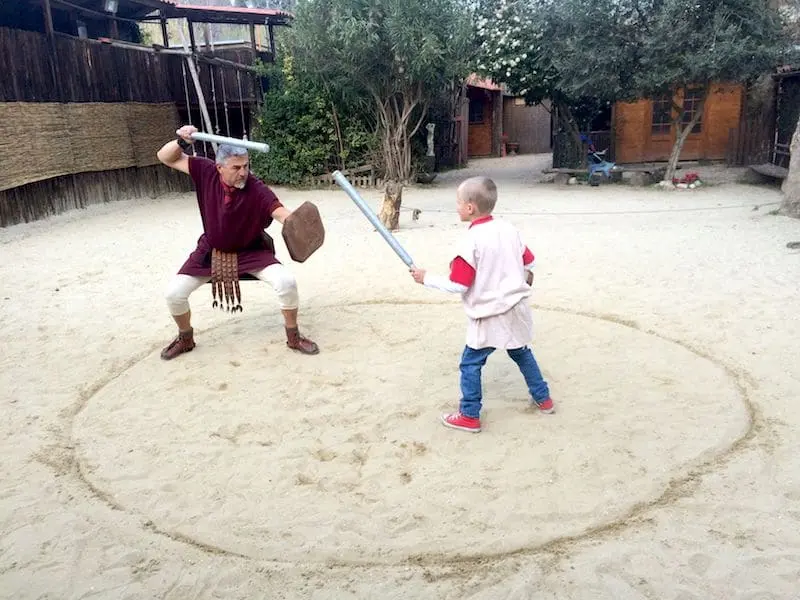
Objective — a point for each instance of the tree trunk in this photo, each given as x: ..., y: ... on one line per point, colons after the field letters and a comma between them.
x: 390, y: 211
x: 397, y: 128
x: 672, y: 165
x: 339, y: 140
x: 564, y: 114
x: 791, y: 185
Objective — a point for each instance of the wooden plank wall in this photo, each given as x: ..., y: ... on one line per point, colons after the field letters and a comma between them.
x: 635, y: 142
x: 91, y: 71
x: 528, y: 126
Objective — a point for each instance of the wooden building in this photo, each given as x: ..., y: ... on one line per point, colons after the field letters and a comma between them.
x: 643, y: 130
x: 485, y: 117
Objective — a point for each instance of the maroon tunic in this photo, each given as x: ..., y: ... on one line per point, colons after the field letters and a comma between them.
x: 234, y: 227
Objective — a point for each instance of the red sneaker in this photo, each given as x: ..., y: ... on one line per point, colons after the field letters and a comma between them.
x: 459, y: 421
x: 546, y: 406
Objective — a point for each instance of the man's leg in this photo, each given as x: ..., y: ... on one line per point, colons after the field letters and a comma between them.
x: 285, y: 285
x: 177, y: 296
x: 537, y: 386
x: 468, y: 417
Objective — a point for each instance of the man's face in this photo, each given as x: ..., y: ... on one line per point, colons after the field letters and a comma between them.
x: 235, y: 171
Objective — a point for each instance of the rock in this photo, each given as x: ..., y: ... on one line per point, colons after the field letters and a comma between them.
x: 641, y: 179
x: 572, y: 181
x: 562, y: 178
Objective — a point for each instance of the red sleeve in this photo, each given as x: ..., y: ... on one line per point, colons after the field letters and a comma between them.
x: 527, y: 257
x: 269, y: 201
x: 461, y: 272
x: 272, y: 201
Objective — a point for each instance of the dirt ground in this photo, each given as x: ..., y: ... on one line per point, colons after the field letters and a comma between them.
x: 666, y: 325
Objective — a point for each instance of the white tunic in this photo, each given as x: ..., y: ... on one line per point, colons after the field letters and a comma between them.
x: 496, y: 303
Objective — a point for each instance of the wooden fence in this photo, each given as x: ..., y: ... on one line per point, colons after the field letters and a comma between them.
x: 92, y: 71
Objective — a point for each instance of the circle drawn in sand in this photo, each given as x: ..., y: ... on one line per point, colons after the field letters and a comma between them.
x: 246, y: 447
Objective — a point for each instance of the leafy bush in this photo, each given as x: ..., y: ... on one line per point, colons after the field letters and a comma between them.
x: 299, y: 122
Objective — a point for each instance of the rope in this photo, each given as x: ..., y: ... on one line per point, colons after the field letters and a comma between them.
x: 614, y: 212
x: 186, y: 92
x: 214, y: 96
x: 202, y: 104
x: 225, y: 104
x: 241, y: 103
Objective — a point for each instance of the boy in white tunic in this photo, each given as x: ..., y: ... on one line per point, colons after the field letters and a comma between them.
x: 492, y: 270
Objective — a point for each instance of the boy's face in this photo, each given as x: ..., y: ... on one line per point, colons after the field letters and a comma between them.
x: 466, y: 211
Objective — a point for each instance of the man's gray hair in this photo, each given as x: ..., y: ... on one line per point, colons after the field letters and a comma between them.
x: 225, y: 151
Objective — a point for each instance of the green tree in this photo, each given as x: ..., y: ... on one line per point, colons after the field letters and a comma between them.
x: 514, y: 39
x: 628, y: 49
x: 389, y: 58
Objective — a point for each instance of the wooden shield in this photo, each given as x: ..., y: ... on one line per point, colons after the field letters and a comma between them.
x: 303, y: 232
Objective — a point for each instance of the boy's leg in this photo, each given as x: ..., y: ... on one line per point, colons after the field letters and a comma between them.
x: 468, y: 416
x: 472, y: 362
x: 537, y: 386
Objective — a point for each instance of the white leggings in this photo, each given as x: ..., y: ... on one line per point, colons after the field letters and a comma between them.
x: 278, y: 276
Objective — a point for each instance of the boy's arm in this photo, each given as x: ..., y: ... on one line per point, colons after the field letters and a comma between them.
x: 461, y: 277
x: 438, y: 282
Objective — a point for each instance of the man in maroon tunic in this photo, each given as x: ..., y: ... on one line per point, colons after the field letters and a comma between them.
x: 235, y: 208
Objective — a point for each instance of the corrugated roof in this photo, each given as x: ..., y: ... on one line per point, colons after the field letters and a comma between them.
x: 482, y: 82
x: 228, y: 14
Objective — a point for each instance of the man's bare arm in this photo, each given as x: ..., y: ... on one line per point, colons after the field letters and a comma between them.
x: 171, y: 154
x: 280, y: 214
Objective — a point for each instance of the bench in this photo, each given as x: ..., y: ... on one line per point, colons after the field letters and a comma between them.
x: 640, y: 175
x: 770, y: 170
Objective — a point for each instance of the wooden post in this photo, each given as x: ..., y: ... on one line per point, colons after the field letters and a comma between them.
x: 198, y: 88
x: 164, y: 33
x: 497, y: 123
x: 48, y: 17
x: 254, y: 80
x: 191, y: 36
x: 51, y: 42
x: 271, y: 41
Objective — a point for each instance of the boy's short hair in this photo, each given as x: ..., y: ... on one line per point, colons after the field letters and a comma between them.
x: 480, y: 191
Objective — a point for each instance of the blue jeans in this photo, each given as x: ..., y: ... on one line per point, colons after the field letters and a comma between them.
x: 472, y: 362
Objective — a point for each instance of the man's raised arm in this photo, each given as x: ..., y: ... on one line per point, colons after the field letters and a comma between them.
x: 171, y: 153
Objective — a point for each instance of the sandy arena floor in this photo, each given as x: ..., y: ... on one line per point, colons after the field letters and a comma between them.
x: 667, y: 326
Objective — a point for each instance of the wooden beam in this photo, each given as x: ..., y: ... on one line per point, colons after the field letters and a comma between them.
x: 48, y: 17
x: 155, y: 49
x: 253, y: 38
x: 191, y: 35
x: 154, y: 3
x: 164, y: 33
